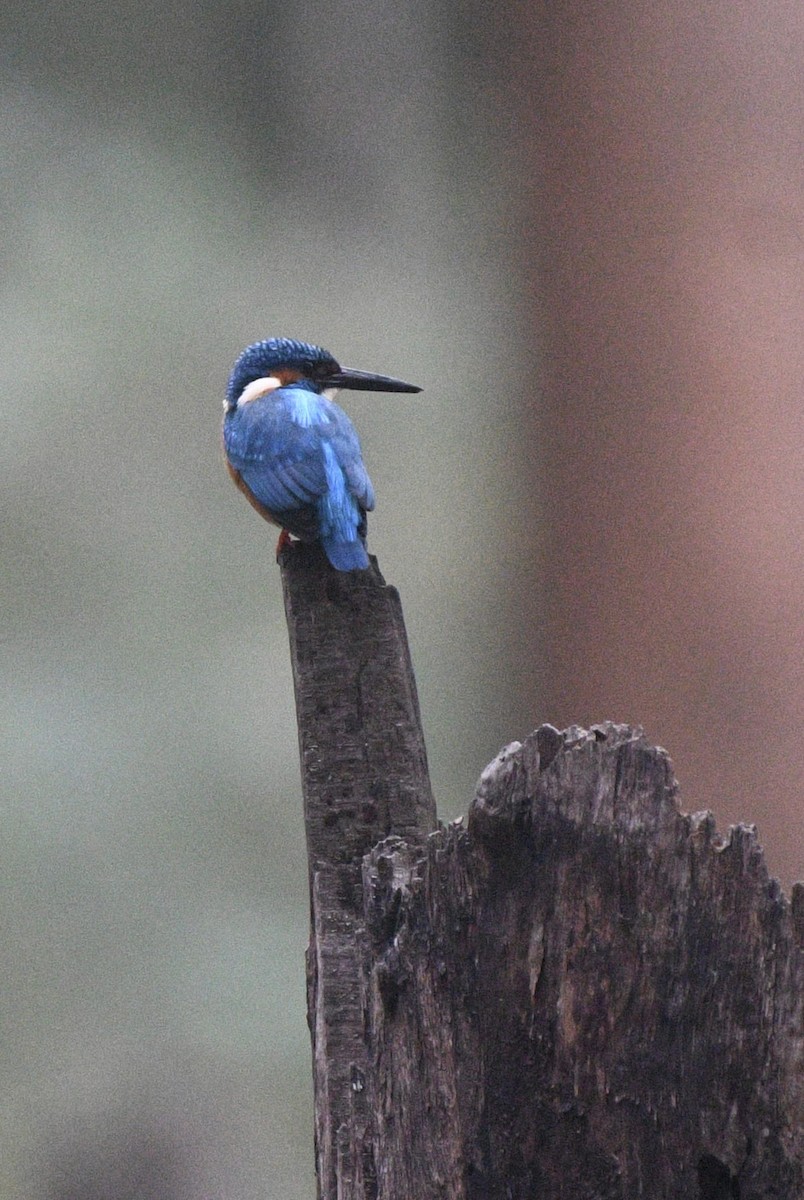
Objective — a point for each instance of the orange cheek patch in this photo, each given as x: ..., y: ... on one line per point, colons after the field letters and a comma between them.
x: 286, y: 375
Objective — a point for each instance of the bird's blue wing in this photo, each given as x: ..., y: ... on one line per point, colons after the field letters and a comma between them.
x: 346, y: 445
x: 359, y: 484
x: 298, y: 456
x: 279, y: 461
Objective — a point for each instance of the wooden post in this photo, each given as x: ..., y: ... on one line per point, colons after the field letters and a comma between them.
x: 582, y: 993
x: 364, y: 776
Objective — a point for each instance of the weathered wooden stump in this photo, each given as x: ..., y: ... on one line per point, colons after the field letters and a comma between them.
x: 364, y: 776
x: 583, y: 993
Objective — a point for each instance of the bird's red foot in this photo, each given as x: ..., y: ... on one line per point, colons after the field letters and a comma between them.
x: 283, y: 543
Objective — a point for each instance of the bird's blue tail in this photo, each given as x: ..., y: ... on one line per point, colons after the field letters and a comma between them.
x: 346, y: 556
x: 342, y: 521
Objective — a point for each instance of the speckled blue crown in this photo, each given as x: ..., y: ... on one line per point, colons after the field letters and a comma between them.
x: 263, y: 358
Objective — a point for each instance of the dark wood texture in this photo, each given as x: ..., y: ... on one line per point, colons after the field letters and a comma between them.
x: 582, y: 994
x: 585, y: 993
x: 364, y: 776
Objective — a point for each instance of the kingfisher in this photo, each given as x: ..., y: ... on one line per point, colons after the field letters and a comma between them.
x: 293, y: 452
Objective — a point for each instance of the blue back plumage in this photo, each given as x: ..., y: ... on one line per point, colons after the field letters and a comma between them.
x: 298, y: 455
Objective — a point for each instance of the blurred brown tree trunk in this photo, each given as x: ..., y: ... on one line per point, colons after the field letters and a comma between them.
x: 668, y: 229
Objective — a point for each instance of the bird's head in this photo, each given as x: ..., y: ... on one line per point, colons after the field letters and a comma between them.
x: 277, y: 362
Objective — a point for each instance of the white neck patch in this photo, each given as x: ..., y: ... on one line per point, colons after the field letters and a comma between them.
x: 257, y: 388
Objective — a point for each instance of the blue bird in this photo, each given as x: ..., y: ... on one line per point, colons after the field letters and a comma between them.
x: 293, y: 452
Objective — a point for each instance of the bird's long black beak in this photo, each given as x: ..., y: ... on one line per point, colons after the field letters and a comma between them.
x: 363, y: 381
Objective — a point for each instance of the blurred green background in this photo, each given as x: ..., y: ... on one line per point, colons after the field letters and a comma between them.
x: 579, y: 229
x: 178, y: 182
